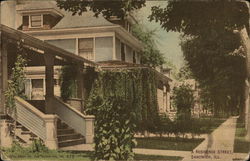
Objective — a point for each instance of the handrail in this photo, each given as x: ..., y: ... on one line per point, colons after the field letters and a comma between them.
x: 74, y: 110
x: 40, y: 124
x: 83, y: 124
x: 32, y: 109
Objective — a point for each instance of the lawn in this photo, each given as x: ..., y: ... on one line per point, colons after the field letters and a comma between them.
x: 240, y: 144
x: 75, y: 156
x: 210, y: 123
x: 181, y: 144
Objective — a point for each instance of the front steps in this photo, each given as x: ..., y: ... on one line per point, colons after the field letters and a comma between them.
x: 24, y: 136
x: 67, y: 136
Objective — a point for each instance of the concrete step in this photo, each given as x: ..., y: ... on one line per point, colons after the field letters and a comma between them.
x: 71, y: 142
x: 69, y: 137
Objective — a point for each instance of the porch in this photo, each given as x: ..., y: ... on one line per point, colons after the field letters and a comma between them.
x: 52, y: 114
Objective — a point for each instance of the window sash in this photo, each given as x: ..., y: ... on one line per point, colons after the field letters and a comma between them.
x: 86, y: 48
x: 36, y: 20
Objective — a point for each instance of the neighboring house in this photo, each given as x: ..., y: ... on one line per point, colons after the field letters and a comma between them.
x: 104, y: 43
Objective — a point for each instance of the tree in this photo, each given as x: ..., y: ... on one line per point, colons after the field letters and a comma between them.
x: 183, y: 100
x: 150, y: 55
x: 107, y: 8
x: 185, y: 73
x: 212, y: 51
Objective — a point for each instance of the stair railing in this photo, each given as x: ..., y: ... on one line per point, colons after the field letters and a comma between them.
x: 83, y: 124
x: 42, y: 125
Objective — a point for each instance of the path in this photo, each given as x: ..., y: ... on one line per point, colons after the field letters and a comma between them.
x: 218, y: 145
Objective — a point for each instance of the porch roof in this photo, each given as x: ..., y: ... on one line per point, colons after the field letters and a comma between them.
x: 42, y: 45
x: 115, y: 64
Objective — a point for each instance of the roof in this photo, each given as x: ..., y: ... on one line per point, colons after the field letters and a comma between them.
x: 26, y: 6
x: 38, y: 4
x: 87, y: 19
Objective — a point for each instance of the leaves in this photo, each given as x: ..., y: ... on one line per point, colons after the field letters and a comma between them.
x: 16, y: 83
x: 107, y: 8
x: 128, y: 103
x: 150, y: 55
x: 183, y: 99
x: 68, y: 81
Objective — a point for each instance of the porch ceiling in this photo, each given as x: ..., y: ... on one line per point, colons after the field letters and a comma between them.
x: 37, y: 44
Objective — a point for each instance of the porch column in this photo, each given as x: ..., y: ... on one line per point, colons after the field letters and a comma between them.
x: 89, y: 131
x: 3, y: 76
x: 49, y: 79
x: 80, y: 87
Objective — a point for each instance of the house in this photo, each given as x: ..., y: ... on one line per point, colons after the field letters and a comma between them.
x: 85, y: 40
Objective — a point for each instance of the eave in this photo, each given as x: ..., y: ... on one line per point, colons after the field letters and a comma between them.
x: 118, y: 30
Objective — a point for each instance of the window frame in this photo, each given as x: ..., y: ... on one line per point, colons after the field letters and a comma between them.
x: 124, y: 47
x: 93, y: 47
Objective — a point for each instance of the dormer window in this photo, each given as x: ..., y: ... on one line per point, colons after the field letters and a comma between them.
x: 36, y: 21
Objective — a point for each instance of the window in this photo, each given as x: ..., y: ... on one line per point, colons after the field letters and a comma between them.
x: 134, y: 57
x: 122, y: 52
x: 86, y: 48
x: 37, y: 89
x: 36, y: 21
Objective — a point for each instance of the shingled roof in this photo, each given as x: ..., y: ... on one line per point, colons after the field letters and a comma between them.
x: 87, y: 19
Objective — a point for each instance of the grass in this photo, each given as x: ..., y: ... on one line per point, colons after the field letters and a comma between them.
x: 74, y: 156
x: 51, y: 155
x: 240, y: 143
x: 156, y: 157
x: 163, y: 143
x: 211, y: 123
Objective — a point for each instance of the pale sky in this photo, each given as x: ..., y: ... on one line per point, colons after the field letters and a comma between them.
x: 167, y: 42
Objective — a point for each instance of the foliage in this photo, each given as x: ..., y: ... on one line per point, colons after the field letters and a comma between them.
x: 241, y: 144
x: 123, y: 102
x: 38, y: 146
x: 181, y: 16
x: 150, y: 55
x: 68, y: 81
x: 38, y: 151
x: 107, y: 8
x: 218, y: 63
x: 212, y: 51
x: 185, y: 73
x: 16, y: 83
x: 183, y: 99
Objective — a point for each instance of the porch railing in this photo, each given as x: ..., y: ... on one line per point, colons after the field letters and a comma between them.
x: 83, y: 124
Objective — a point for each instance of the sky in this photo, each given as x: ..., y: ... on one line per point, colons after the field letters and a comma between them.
x: 167, y: 42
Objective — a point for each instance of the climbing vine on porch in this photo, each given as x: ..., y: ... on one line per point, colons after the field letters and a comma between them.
x: 16, y: 85
x: 68, y: 81
x: 123, y: 102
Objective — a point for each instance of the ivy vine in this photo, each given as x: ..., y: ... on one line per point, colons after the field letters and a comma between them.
x: 123, y: 102
x: 16, y: 85
x: 68, y: 81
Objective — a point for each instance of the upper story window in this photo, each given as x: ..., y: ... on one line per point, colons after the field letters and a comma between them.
x: 32, y: 21
x: 134, y: 57
x: 86, y: 48
x: 36, y: 21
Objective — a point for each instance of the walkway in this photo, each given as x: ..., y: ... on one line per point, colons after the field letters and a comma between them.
x: 218, y: 145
